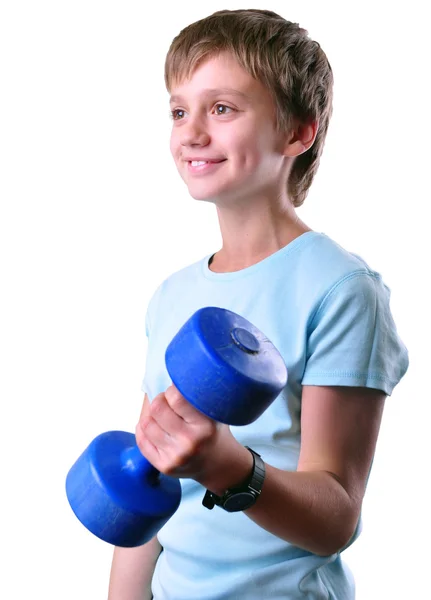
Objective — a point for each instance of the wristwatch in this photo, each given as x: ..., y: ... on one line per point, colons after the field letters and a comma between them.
x: 243, y: 496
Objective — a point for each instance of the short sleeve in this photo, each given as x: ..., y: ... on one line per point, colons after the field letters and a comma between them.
x: 352, y: 338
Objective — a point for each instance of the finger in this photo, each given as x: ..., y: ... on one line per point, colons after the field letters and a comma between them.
x: 144, y: 418
x: 166, y: 417
x: 162, y: 427
x: 145, y: 407
x: 174, y: 436
x: 149, y: 437
x: 159, y: 448
x: 144, y: 444
x: 156, y: 434
x: 181, y: 406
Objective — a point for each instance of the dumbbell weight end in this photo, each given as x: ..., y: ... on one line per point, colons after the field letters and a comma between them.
x: 107, y: 485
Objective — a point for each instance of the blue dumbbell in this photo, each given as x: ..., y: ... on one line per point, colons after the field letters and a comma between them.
x: 227, y: 369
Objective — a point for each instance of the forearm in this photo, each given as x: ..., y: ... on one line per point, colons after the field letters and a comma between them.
x: 309, y: 509
x: 132, y: 571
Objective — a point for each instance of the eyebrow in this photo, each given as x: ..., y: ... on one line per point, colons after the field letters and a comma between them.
x: 217, y: 92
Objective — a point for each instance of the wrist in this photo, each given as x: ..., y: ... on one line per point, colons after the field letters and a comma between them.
x: 243, y: 496
x: 231, y: 470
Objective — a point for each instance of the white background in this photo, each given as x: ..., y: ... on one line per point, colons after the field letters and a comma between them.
x: 94, y: 216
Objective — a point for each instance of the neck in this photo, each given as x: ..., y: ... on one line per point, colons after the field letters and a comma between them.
x: 251, y: 235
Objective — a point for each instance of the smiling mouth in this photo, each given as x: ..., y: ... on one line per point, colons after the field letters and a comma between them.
x: 203, y: 167
x: 200, y: 163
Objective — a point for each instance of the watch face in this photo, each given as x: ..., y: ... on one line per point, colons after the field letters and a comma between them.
x: 239, y: 501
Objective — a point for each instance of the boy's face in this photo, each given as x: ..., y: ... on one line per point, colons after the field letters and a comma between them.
x: 224, y: 139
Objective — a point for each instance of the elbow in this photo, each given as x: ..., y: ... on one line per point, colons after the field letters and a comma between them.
x: 338, y: 531
x: 329, y: 547
x: 335, y: 541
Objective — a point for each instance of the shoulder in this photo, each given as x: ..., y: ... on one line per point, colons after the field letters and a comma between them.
x: 324, y: 258
x: 343, y: 281
x: 322, y: 269
x: 352, y: 338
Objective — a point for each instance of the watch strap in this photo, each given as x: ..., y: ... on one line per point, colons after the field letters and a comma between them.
x: 253, y: 484
x: 258, y: 473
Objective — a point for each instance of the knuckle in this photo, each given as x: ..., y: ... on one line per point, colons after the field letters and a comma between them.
x: 157, y: 407
x: 190, y: 448
x: 169, y: 465
x: 140, y: 438
x: 207, y: 430
x: 140, y: 426
x: 140, y: 429
x: 138, y: 433
x: 174, y: 397
x: 211, y: 427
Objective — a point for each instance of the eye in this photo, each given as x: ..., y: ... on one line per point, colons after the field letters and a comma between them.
x: 177, y: 114
x: 222, y: 109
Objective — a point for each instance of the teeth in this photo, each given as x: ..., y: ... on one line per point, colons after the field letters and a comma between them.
x: 198, y: 163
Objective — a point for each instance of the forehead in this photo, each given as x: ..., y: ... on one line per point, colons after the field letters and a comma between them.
x: 219, y: 75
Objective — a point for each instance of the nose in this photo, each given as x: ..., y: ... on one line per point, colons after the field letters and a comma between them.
x: 194, y: 133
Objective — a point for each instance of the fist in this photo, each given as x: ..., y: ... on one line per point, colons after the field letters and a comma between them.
x: 177, y: 439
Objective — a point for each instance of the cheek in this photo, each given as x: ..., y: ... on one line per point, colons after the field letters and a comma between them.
x: 173, y: 145
x: 250, y: 146
x: 249, y: 154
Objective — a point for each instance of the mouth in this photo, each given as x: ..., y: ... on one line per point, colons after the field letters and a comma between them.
x: 197, y: 162
x: 204, y: 166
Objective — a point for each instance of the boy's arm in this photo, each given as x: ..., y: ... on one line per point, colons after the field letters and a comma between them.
x: 318, y: 506
x: 132, y: 568
x: 132, y: 571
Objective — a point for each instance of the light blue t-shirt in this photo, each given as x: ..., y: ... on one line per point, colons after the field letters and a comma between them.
x: 328, y: 314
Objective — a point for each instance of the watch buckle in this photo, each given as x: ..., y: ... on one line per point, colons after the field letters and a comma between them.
x: 210, y: 500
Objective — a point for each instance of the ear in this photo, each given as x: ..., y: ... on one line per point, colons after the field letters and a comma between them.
x: 300, y: 138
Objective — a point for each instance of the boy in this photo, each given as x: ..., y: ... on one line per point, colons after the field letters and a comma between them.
x: 251, y: 99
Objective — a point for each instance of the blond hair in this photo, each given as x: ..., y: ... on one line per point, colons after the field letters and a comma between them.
x: 279, y: 54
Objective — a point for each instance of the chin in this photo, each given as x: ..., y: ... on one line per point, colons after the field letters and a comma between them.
x: 203, y: 195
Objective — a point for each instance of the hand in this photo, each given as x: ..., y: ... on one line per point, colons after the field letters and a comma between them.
x: 177, y: 439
